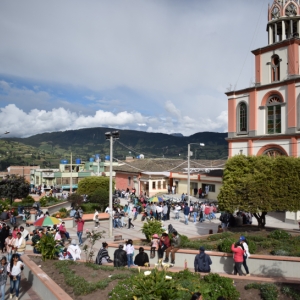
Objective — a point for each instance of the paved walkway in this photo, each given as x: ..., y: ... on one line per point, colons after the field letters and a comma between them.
x: 26, y: 291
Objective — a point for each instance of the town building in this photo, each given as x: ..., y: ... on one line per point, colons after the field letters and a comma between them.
x: 154, y: 176
x: 69, y: 172
x: 265, y: 118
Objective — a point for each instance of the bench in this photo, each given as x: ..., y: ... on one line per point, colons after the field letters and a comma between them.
x: 118, y: 238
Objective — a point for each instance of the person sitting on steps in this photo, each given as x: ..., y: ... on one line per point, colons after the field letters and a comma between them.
x: 175, y: 244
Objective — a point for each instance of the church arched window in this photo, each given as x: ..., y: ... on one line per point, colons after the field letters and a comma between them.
x: 242, y: 118
x: 275, y: 68
x: 274, y: 104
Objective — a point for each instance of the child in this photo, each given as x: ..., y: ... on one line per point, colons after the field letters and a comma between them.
x: 154, y: 245
x: 96, y: 218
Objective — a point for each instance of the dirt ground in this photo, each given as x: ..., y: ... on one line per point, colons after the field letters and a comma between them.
x: 96, y: 275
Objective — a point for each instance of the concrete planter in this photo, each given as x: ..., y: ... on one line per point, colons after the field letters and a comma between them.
x: 56, y: 207
x: 42, y: 284
x: 259, y: 265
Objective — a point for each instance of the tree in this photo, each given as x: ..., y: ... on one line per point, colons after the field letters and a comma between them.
x: 260, y: 184
x: 75, y: 199
x: 13, y: 187
x: 100, y: 196
x: 89, y: 185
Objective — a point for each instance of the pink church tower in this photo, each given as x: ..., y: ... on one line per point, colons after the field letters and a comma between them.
x: 265, y: 118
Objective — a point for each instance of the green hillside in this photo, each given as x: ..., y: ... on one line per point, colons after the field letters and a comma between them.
x: 48, y: 149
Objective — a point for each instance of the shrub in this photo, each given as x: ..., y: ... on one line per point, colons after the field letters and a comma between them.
x: 47, y: 201
x: 63, y: 209
x: 268, y: 291
x: 46, y: 246
x: 180, y: 286
x: 151, y: 227
x: 279, y: 235
x: 75, y: 199
x: 100, y: 196
x: 252, y: 246
x: 280, y: 252
x: 290, y: 292
x: 225, y: 245
x: 219, y: 286
x: 89, y: 208
x: 28, y: 199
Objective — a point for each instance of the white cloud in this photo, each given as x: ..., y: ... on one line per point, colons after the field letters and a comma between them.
x: 22, y: 124
x: 187, y: 51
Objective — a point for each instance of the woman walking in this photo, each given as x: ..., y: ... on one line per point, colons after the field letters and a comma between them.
x: 244, y: 243
x: 129, y: 252
x: 14, y: 268
x: 3, y: 276
x: 237, y: 257
x: 130, y: 216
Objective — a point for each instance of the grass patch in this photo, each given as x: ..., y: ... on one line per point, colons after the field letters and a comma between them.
x: 79, y: 284
x: 274, y: 243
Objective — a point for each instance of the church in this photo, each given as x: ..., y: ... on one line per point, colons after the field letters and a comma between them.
x: 265, y: 118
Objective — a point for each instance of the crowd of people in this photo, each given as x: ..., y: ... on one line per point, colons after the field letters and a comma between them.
x: 12, y: 245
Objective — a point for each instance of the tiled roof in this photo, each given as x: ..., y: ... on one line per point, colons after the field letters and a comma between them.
x: 165, y: 165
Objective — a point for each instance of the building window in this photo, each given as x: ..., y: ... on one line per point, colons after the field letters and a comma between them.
x: 211, y: 188
x: 275, y: 68
x: 129, y: 181
x: 153, y: 185
x: 242, y: 118
x: 65, y: 180
x: 274, y: 115
x: 159, y: 185
x: 164, y: 185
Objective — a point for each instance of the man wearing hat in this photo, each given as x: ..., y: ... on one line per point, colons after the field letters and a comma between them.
x: 202, y: 261
x: 120, y: 257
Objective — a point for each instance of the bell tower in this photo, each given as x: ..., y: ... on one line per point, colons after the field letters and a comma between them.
x: 264, y: 119
x: 283, y: 20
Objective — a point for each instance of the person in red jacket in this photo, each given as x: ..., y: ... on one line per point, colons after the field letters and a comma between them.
x: 238, y: 257
x: 80, y: 224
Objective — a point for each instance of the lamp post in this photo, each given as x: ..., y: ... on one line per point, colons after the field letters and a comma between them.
x: 111, y: 136
x: 189, y: 179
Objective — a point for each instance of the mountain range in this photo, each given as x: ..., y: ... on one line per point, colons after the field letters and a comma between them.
x: 47, y: 149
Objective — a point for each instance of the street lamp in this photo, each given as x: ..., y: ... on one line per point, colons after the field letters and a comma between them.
x: 189, y: 155
x: 111, y: 136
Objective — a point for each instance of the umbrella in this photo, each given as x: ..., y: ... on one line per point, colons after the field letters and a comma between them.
x: 156, y: 199
x: 46, y: 221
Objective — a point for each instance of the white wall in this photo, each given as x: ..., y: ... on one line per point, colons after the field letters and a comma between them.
x: 257, y: 144
x: 266, y: 69
x: 236, y: 147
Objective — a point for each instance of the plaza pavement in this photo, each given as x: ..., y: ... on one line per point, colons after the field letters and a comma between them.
x: 192, y: 230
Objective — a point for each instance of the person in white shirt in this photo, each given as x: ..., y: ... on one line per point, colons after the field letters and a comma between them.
x: 14, y: 268
x: 74, y: 250
x: 20, y: 244
x: 96, y: 218
x: 165, y: 212
x: 25, y: 233
x: 243, y: 241
x: 129, y: 250
x: 159, y: 210
x: 177, y: 211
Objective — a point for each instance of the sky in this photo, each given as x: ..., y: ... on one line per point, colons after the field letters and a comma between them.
x: 156, y: 66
